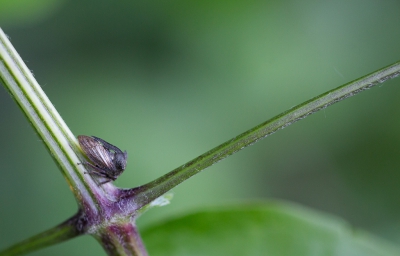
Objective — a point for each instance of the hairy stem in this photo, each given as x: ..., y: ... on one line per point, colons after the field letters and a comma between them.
x: 156, y: 188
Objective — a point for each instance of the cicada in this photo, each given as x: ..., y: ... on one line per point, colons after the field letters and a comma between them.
x: 107, y: 160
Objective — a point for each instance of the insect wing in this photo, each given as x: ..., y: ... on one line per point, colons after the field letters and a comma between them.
x: 95, y: 151
x: 108, y: 145
x: 119, y: 158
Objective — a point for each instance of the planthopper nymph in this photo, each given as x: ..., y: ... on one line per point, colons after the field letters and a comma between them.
x: 107, y: 160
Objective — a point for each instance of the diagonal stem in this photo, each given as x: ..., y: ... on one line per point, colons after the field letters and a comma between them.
x: 60, y: 141
x: 97, y: 204
x: 55, y: 235
x: 149, y: 192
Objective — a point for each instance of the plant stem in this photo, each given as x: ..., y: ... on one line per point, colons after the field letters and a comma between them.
x: 122, y: 239
x: 47, y: 238
x: 60, y: 141
x: 100, y: 205
x: 156, y: 188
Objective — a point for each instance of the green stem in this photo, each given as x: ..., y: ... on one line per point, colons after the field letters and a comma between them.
x: 60, y: 141
x: 97, y: 204
x: 156, y: 188
x: 47, y: 238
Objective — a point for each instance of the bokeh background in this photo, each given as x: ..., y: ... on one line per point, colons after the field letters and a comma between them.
x: 169, y: 80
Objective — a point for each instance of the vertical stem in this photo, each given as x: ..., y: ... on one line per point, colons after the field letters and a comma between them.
x: 122, y: 239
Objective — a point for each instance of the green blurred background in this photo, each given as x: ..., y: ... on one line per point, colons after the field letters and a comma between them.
x: 169, y: 80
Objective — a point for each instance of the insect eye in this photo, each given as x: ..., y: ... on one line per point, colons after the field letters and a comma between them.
x: 120, y: 161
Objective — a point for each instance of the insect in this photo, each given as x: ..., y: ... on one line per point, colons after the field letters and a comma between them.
x: 107, y: 160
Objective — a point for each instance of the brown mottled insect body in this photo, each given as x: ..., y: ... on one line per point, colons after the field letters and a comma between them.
x: 107, y: 160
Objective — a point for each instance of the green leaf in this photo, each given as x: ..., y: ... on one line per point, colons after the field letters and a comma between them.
x: 273, y: 228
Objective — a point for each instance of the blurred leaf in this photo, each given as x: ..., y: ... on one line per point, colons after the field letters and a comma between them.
x: 22, y: 12
x: 272, y: 228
